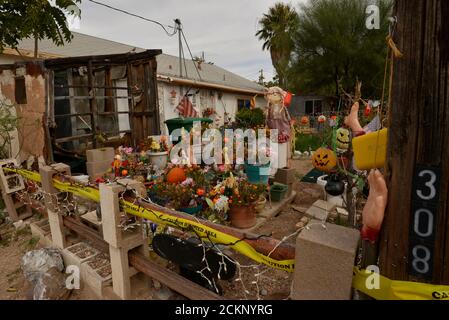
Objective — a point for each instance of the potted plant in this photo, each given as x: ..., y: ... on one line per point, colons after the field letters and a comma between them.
x: 242, y: 197
x: 157, y: 152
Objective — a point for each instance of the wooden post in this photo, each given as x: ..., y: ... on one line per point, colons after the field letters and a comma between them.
x: 415, y: 240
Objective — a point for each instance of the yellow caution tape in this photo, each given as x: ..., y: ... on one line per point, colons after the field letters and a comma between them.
x: 386, y: 289
x: 166, y: 219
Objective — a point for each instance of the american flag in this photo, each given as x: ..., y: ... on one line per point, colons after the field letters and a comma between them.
x: 185, y: 108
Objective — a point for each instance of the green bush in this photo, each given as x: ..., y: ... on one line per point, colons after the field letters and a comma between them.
x: 306, y: 142
x: 250, y: 118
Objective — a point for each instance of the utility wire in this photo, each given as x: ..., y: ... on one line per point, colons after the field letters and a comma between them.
x: 170, y: 34
x: 191, y: 56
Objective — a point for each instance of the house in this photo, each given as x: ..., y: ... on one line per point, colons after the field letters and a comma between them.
x: 213, y: 91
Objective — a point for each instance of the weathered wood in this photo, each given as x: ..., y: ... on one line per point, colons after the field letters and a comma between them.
x: 418, y: 132
x: 169, y: 278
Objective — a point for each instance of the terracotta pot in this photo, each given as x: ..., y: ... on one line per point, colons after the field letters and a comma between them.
x: 243, y: 217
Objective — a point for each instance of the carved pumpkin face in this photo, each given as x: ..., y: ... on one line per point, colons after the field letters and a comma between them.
x: 343, y: 139
x: 324, y: 160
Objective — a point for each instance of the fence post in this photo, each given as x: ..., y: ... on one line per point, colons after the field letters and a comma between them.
x: 50, y: 193
x: 120, y: 241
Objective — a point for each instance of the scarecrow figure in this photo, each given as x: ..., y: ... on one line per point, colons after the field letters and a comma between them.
x: 278, y: 118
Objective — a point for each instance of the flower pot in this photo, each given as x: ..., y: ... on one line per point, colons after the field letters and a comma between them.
x: 278, y: 191
x: 158, y: 159
x: 243, y: 217
x: 260, y: 204
x: 192, y: 210
x: 257, y: 174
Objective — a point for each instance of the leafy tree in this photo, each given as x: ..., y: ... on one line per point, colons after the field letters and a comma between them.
x: 332, y: 43
x: 38, y: 19
x: 276, y: 29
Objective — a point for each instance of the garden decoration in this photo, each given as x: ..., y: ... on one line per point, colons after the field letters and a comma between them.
x: 322, y: 119
x: 176, y: 175
x: 370, y: 149
x: 374, y: 210
x: 305, y: 120
x: 334, y: 186
x: 343, y: 139
x: 194, y: 259
x: 278, y: 118
x: 324, y: 159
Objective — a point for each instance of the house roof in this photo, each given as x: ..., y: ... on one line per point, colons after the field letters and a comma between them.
x: 168, y: 65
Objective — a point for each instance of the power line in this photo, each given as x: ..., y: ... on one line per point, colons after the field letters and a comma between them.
x: 170, y: 34
x: 191, y: 56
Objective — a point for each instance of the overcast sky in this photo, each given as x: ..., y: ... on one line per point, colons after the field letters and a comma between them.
x: 223, y: 29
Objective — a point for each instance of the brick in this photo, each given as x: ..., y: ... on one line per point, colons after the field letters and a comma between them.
x: 99, y: 155
x: 324, y: 262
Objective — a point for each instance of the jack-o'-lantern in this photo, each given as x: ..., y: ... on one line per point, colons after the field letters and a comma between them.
x: 305, y: 120
x: 324, y: 160
x: 343, y: 139
x: 322, y: 119
x: 176, y: 175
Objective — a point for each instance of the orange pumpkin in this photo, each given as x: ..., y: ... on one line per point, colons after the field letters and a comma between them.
x: 305, y: 120
x: 176, y: 175
x: 324, y: 160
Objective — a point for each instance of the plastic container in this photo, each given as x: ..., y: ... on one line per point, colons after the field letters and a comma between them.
x: 339, y: 201
x: 370, y: 150
x: 258, y: 174
x: 186, y: 123
x: 278, y: 191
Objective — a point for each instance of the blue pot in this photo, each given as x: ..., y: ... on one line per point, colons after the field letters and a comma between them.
x: 257, y: 174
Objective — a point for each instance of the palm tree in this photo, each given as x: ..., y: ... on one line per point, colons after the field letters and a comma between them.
x: 276, y: 30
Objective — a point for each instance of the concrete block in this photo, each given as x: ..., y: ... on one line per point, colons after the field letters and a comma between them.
x: 10, y: 182
x: 78, y: 253
x: 285, y: 176
x: 41, y: 229
x: 324, y: 205
x: 102, y: 154
x: 96, y: 273
x: 16, y: 210
x: 317, y: 213
x: 324, y: 262
x: 97, y: 169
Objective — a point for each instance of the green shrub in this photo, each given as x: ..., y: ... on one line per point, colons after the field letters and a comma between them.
x: 250, y: 118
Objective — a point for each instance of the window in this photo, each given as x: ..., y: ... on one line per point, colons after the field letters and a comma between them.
x: 309, y: 107
x: 314, y: 107
x: 243, y: 103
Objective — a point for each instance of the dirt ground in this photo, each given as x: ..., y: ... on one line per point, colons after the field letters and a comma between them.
x: 272, y: 284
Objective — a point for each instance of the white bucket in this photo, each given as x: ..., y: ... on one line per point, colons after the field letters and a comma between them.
x: 339, y: 201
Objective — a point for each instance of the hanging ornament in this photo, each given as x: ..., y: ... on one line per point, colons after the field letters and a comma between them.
x: 334, y: 186
x: 322, y: 119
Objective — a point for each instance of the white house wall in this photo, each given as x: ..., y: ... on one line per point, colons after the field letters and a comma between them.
x: 202, y: 98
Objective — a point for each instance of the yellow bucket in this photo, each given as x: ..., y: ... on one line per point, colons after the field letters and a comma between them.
x: 370, y: 150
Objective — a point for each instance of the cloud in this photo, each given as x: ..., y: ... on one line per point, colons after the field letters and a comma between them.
x: 223, y: 30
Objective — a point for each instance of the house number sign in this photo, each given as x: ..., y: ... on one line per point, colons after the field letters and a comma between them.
x: 423, y: 221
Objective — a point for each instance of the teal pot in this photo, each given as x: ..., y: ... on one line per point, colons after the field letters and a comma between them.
x: 257, y: 173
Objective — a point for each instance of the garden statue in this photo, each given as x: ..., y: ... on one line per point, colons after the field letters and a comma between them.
x: 278, y: 118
